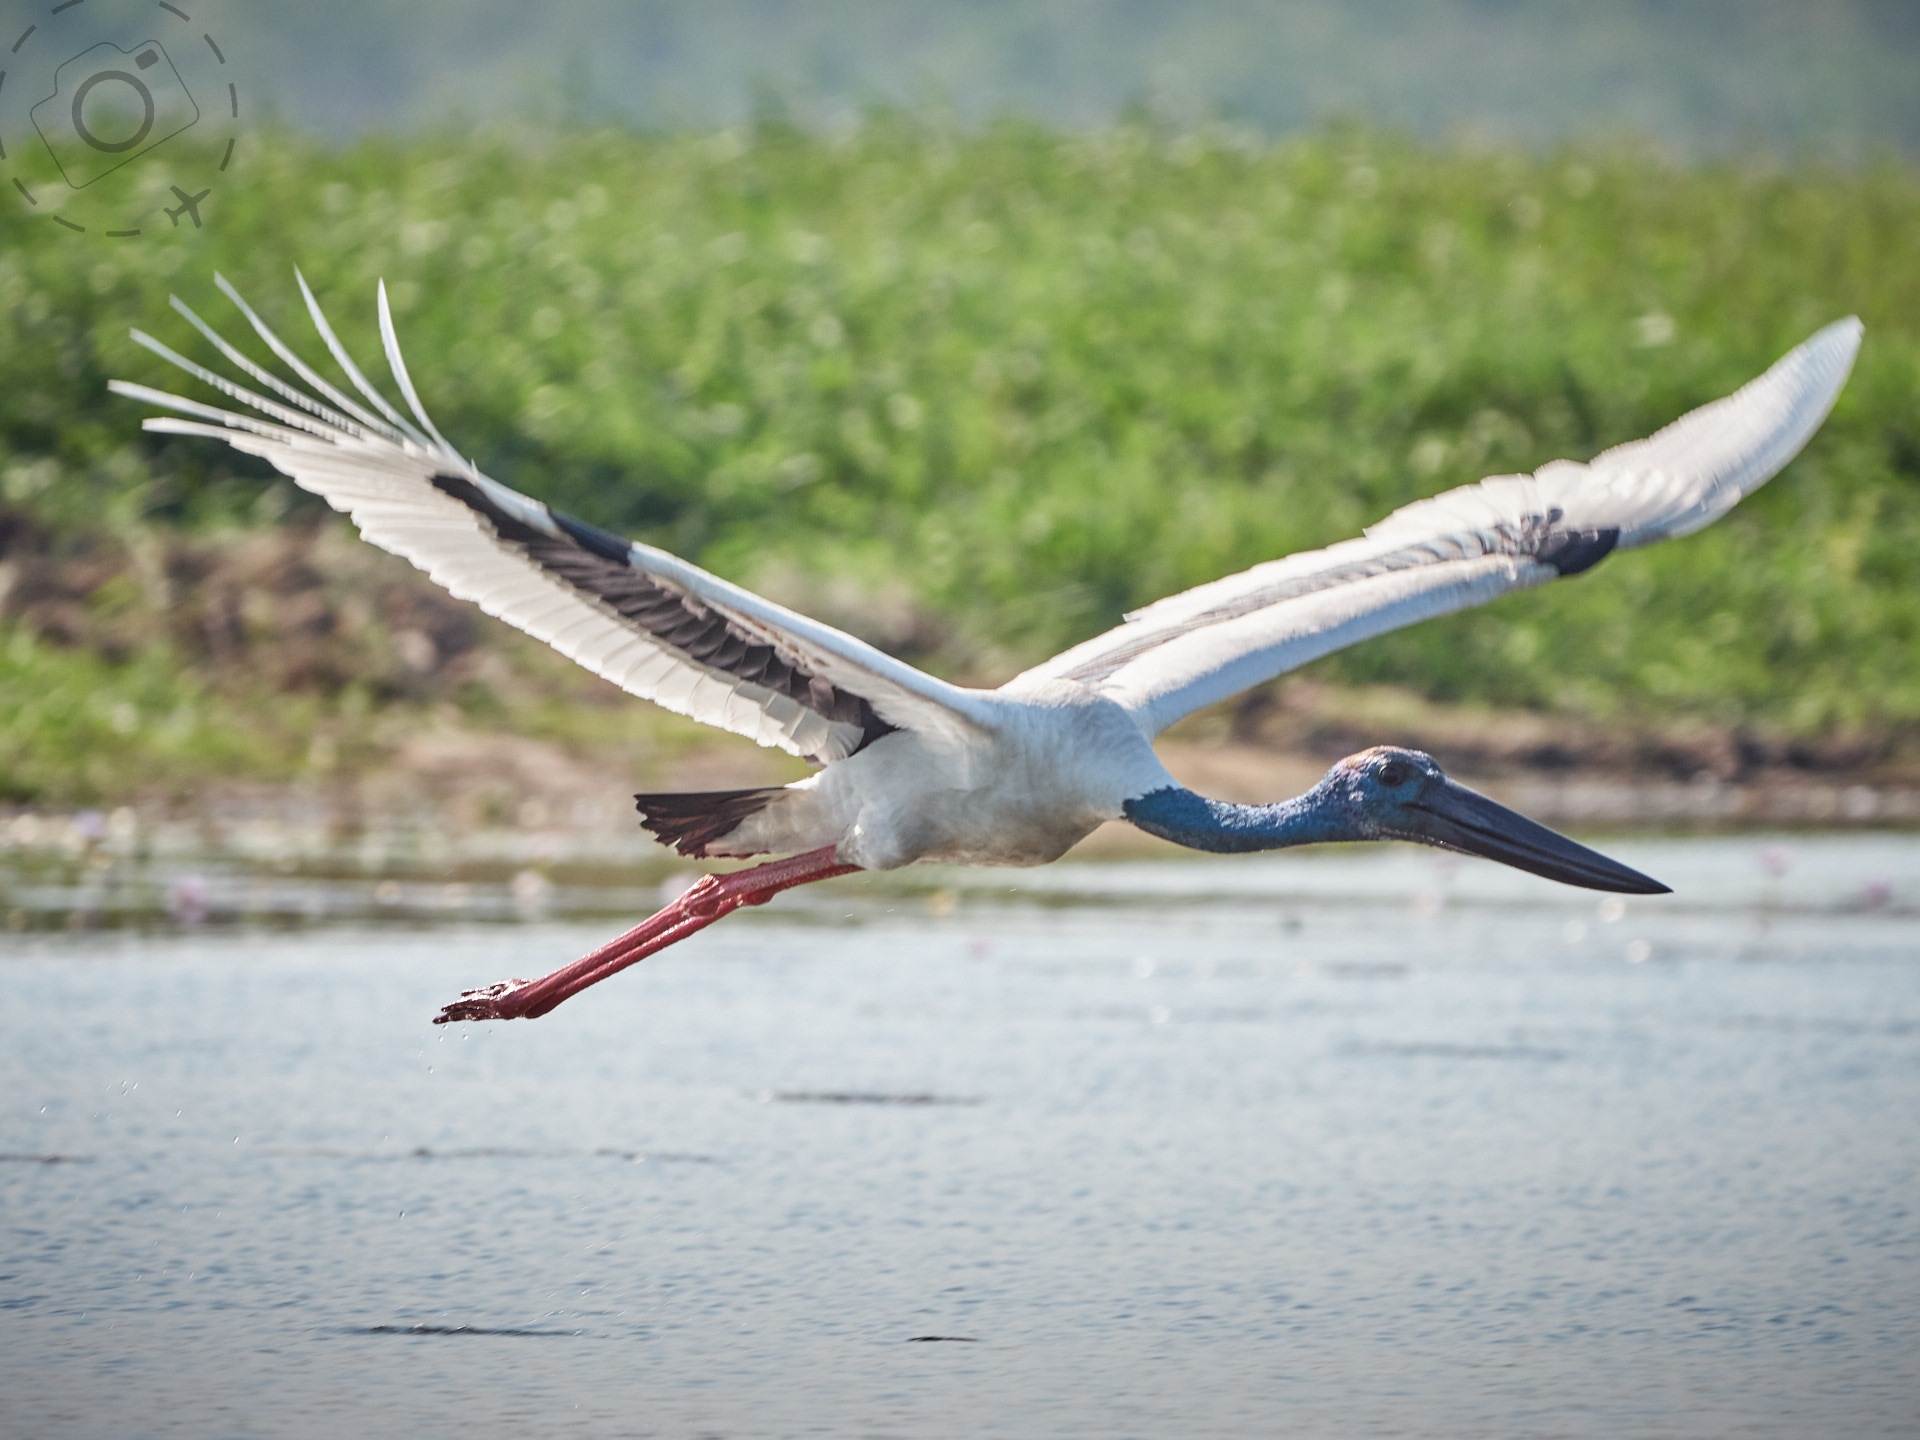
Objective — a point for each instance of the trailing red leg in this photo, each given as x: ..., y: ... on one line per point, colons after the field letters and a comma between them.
x: 707, y: 900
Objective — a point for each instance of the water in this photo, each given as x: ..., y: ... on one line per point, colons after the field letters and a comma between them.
x: 1159, y: 1150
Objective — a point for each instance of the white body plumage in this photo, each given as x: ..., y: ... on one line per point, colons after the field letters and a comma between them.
x: 1045, y: 763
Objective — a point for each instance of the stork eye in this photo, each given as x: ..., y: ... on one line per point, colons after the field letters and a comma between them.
x: 1393, y: 773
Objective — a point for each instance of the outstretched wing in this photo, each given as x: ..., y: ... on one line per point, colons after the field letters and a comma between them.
x: 1462, y: 548
x: 651, y: 623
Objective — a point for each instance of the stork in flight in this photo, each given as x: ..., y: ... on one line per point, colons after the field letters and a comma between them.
x: 913, y: 768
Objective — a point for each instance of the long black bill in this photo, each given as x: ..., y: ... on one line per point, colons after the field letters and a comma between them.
x: 1461, y: 819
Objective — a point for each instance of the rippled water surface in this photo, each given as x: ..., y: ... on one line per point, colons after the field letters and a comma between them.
x: 1292, y: 1146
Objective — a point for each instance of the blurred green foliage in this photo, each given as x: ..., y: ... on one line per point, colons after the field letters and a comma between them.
x: 75, y: 726
x: 1024, y: 379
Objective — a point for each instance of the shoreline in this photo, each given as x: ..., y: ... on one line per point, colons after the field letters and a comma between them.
x: 439, y: 806
x: 266, y: 873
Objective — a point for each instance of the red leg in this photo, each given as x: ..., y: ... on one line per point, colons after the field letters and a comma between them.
x: 709, y: 898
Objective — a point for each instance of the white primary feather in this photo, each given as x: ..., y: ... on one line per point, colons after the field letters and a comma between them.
x: 379, y: 467
x: 1458, y: 549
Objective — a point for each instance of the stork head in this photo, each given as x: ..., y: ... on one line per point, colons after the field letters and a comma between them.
x: 1388, y: 793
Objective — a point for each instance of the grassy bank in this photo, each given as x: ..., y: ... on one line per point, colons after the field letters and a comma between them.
x: 972, y: 395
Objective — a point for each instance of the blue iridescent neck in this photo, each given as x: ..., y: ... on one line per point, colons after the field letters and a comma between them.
x: 1202, y: 824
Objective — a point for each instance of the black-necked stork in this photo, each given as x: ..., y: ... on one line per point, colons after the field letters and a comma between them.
x: 913, y: 768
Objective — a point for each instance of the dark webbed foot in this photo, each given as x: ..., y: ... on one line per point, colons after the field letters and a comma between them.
x: 504, y: 1001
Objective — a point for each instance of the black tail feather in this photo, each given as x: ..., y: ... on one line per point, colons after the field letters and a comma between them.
x: 689, y: 821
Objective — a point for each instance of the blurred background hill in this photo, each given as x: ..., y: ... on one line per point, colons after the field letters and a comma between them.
x: 1834, y: 78
x: 968, y: 327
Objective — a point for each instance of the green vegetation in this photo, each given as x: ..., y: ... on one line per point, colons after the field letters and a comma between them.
x: 975, y: 394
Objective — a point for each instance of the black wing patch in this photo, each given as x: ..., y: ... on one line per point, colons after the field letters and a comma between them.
x: 595, y: 563
x: 1536, y: 537
x: 1571, y: 551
